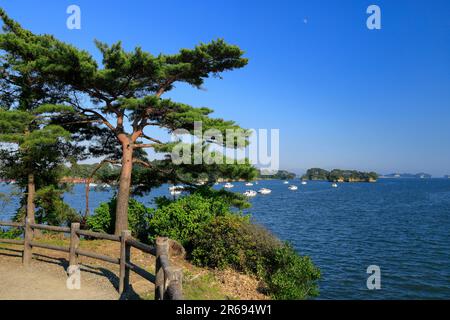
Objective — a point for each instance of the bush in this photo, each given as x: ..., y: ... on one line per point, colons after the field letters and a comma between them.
x: 11, y: 233
x: 103, y: 219
x: 215, y: 237
x: 233, y: 241
x: 184, y: 219
x: 52, y: 209
x: 290, y: 276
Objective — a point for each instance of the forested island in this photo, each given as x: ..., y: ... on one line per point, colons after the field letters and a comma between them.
x: 280, y: 175
x: 420, y: 175
x: 338, y: 175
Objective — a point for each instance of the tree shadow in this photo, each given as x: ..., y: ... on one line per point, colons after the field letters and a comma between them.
x: 16, y: 253
x: 131, y: 294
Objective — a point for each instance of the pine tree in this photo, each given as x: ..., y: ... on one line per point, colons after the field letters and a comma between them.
x: 37, y: 151
x: 32, y: 145
x: 127, y: 91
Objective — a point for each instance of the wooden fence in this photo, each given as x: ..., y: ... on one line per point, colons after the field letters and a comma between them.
x: 167, y: 278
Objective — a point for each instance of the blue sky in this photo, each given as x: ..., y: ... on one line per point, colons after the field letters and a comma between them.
x: 343, y: 96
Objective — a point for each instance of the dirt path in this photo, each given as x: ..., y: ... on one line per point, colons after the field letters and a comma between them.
x: 48, y: 281
x: 47, y: 276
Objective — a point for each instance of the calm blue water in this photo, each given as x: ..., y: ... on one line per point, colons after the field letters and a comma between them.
x: 401, y: 225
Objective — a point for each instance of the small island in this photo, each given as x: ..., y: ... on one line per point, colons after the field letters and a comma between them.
x: 339, y: 175
x: 421, y: 175
x: 280, y: 175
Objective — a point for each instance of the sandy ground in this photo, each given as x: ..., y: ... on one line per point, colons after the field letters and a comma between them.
x: 46, y: 278
x: 47, y: 281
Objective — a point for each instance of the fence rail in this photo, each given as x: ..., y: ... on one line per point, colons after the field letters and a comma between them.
x: 167, y: 278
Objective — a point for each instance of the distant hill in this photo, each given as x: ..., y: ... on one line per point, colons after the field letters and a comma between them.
x: 338, y: 175
x: 281, y: 175
x: 420, y: 175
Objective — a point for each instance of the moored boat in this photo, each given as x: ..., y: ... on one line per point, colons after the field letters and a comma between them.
x: 250, y: 193
x: 264, y: 191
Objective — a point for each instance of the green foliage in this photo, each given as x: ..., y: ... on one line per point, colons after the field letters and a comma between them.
x: 281, y: 175
x: 316, y: 174
x: 224, y: 242
x: 104, y: 217
x: 215, y: 237
x: 184, y: 219
x: 10, y: 233
x: 338, y: 175
x: 233, y: 241
x: 4, y: 200
x: 105, y: 173
x: 51, y: 208
x: 289, y: 276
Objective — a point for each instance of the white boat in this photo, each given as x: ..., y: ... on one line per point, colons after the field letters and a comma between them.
x: 334, y: 185
x: 304, y: 182
x: 264, y: 191
x: 228, y: 185
x: 176, y: 188
x: 286, y: 182
x: 175, y: 192
x: 250, y: 193
x: 292, y: 187
x: 249, y: 184
x: 93, y: 185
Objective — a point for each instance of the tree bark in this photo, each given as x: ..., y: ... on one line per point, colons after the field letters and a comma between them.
x: 30, y: 198
x: 123, y: 195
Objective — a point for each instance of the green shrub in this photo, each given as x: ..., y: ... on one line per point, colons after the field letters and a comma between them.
x: 233, y: 241
x: 184, y: 219
x: 52, y: 209
x: 290, y: 276
x: 11, y: 233
x: 215, y: 237
x: 103, y: 219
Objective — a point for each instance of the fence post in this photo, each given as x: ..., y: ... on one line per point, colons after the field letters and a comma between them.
x: 27, y: 239
x: 173, y: 284
x: 162, y: 248
x: 124, y: 275
x: 74, y: 243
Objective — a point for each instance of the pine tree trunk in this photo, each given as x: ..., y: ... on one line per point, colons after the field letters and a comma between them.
x: 30, y: 198
x: 123, y: 195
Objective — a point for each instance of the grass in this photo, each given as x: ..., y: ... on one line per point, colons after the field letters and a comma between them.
x: 202, y: 287
x: 198, y: 287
